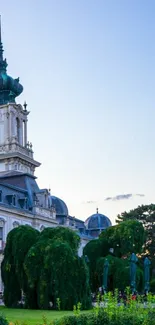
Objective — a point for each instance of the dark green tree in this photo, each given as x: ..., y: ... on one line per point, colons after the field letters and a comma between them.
x: 33, y: 262
x: 58, y: 273
x: 12, y: 290
x: 94, y: 250
x: 18, y: 243
x: 119, y: 273
x: 46, y: 267
x: 146, y: 215
x: 126, y: 238
x: 62, y: 234
x: 119, y: 242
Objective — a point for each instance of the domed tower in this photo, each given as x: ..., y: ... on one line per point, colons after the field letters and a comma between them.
x: 15, y: 151
x: 60, y: 208
x: 59, y: 205
x: 96, y: 223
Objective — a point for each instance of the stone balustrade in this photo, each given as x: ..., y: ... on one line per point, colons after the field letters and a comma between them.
x: 44, y: 212
x: 15, y: 147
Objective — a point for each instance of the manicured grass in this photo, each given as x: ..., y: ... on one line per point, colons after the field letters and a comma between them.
x: 31, y: 317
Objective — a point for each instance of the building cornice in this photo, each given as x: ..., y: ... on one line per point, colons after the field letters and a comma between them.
x: 21, y: 156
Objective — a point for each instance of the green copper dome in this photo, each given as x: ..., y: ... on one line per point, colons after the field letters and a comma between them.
x: 9, y: 88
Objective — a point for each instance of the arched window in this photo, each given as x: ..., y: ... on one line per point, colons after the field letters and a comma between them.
x: 18, y: 128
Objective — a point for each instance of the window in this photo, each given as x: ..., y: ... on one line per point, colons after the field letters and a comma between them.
x: 11, y: 199
x: 2, y: 221
x: 0, y: 196
x: 26, y: 204
x: 14, y: 200
x: 24, y: 134
x: 18, y: 128
x: 1, y: 233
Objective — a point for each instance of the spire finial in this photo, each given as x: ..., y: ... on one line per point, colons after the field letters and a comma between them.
x: 25, y: 106
x: 1, y: 45
x: 97, y: 210
x: 3, y: 63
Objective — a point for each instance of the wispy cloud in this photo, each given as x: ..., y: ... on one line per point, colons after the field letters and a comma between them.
x: 123, y: 197
x: 89, y: 202
x: 118, y: 197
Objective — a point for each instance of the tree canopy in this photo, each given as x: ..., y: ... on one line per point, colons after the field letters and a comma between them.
x: 126, y: 238
x: 145, y: 214
x: 46, y: 267
x: 62, y: 234
x: 117, y: 243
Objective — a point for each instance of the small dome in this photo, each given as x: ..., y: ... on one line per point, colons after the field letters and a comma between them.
x: 59, y: 205
x: 97, y: 221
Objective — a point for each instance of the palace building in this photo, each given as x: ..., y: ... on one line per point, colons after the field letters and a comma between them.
x: 22, y: 202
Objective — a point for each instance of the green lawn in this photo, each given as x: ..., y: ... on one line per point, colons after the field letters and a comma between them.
x: 31, y: 317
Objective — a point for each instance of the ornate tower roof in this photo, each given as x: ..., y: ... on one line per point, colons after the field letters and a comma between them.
x: 9, y: 88
x: 16, y: 152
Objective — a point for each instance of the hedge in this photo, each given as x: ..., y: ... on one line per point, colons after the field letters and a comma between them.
x: 103, y: 318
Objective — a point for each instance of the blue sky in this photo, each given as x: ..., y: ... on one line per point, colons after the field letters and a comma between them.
x: 88, y: 71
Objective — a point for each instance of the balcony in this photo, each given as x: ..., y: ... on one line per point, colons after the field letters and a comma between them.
x: 15, y: 147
